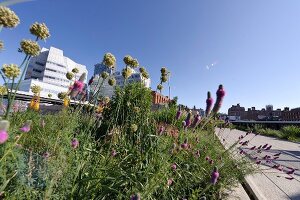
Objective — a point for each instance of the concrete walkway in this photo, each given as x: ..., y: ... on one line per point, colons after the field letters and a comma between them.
x: 278, y: 176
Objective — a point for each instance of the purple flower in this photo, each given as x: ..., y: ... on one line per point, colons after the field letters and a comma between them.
x: 211, y: 161
x: 46, y: 155
x: 207, y: 158
x: 113, y: 153
x: 3, y: 136
x: 188, y: 119
x: 196, y: 121
x: 74, y: 143
x: 135, y: 197
x: 185, y: 144
x: 220, y: 95
x: 214, y: 176
x: 26, y: 127
x: 174, y: 166
x: 178, y: 114
x: 209, y: 103
x: 170, y: 181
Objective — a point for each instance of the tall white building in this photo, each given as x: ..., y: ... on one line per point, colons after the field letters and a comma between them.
x: 48, y: 70
x: 106, y: 89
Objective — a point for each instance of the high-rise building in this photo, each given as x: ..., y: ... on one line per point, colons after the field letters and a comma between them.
x: 48, y: 70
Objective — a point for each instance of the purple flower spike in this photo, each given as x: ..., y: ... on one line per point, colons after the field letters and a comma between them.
x: 188, y: 119
x: 26, y: 127
x: 196, y: 120
x: 220, y: 95
x: 209, y: 103
x: 74, y: 143
x: 178, y: 114
x: 3, y: 136
x: 214, y: 176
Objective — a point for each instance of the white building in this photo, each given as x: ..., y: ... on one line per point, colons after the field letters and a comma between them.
x: 106, y: 89
x: 48, y: 70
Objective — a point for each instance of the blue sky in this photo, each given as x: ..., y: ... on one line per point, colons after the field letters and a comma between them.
x: 255, y: 44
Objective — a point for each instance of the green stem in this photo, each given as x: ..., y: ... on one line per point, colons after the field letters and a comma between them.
x: 9, y: 100
x: 13, y: 94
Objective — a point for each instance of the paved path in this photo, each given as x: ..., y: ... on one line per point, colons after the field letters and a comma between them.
x: 273, y: 180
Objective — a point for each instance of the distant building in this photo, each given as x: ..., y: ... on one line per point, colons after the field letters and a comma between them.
x: 267, y: 113
x: 158, y: 98
x: 48, y: 70
x: 291, y: 115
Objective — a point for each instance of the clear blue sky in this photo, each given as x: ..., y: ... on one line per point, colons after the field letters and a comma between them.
x: 255, y: 44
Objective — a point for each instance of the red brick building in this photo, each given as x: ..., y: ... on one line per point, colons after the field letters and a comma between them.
x: 252, y: 114
x: 158, y: 98
x: 291, y: 115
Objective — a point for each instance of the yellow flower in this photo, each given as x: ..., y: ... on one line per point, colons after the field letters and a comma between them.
x: 35, y: 103
x: 30, y: 47
x: 127, y: 60
x: 11, y: 71
x: 70, y: 75
x: 112, y: 81
x: 75, y: 70
x: 8, y: 18
x: 3, y: 90
x: 126, y: 72
x: 66, y: 102
x: 100, y: 109
x: 133, y: 128
x: 109, y: 60
x: 40, y: 30
x: 1, y: 45
x: 36, y: 89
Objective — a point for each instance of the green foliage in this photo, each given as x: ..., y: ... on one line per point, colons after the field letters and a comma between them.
x: 119, y: 162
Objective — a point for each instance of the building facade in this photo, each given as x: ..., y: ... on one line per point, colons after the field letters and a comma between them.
x: 291, y: 115
x: 48, y: 70
x: 267, y: 113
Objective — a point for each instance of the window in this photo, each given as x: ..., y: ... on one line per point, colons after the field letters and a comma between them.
x: 39, y: 63
x: 37, y: 70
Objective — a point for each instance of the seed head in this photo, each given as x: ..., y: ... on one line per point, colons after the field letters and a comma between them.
x: 11, y: 71
x: 8, y: 18
x: 40, y: 30
x: 112, y: 81
x: 30, y: 47
x: 109, y: 60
